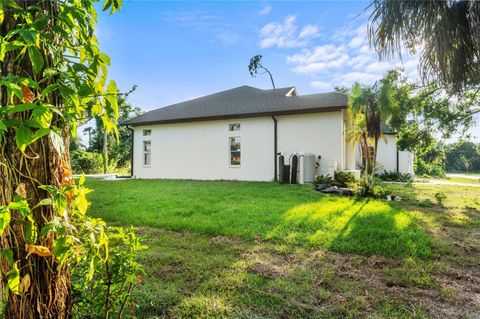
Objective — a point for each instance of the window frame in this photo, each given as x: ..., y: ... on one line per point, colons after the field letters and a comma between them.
x: 234, y: 127
x: 230, y: 152
x: 145, y: 130
x: 144, y: 153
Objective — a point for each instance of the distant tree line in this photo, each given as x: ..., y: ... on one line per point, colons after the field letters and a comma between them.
x: 104, y: 153
x: 461, y: 156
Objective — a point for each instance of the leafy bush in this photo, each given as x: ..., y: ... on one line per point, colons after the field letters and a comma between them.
x: 344, y: 179
x: 323, y: 179
x: 393, y: 176
x: 429, y: 169
x: 440, y: 198
x: 104, y: 285
x: 86, y: 162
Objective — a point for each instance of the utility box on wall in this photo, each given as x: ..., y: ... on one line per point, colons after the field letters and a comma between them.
x: 308, y: 168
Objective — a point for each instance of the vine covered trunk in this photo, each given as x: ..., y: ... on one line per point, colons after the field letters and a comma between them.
x: 44, y: 283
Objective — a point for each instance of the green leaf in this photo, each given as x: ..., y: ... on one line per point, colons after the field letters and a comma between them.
x: 1, y: 13
x: 31, y: 232
x: 7, y: 253
x: 20, y: 206
x: 13, y: 89
x: 28, y: 36
x: 41, y: 132
x: 43, y: 116
x: 13, y: 279
x: 44, y: 202
x: 61, y: 248
x: 21, y: 107
x: 36, y: 58
x: 82, y: 180
x: 3, y: 127
x: 23, y: 137
x: 49, y: 89
x: 4, y: 218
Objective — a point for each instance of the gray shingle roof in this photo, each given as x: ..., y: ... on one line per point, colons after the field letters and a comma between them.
x: 243, y: 101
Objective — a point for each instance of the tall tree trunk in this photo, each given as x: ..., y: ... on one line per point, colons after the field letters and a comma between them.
x: 48, y: 294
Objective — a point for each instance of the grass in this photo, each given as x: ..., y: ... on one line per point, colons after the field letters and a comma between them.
x: 294, y: 214
x: 261, y: 250
x: 463, y: 180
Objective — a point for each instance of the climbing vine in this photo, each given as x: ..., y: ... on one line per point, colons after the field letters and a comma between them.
x: 53, y: 76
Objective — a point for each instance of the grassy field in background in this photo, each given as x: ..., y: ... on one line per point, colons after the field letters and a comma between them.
x: 263, y: 250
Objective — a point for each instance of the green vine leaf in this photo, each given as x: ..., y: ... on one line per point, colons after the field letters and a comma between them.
x: 31, y: 232
x: 7, y: 253
x: 1, y: 12
x: 4, y: 218
x: 3, y: 128
x: 21, y: 107
x: 23, y: 137
x: 36, y: 58
x: 20, y: 206
x: 13, y: 279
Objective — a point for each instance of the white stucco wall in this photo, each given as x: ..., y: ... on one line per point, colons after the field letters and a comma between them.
x: 387, y: 156
x: 200, y: 150
x: 319, y: 134
x: 387, y: 153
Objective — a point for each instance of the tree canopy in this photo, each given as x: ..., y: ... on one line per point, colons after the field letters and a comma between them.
x: 445, y: 33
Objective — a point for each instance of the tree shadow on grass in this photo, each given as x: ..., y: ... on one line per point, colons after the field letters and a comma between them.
x: 360, y: 226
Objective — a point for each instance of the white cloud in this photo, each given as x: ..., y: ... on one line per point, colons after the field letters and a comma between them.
x: 226, y: 37
x: 285, y: 35
x: 320, y: 59
x: 309, y: 30
x: 322, y: 86
x: 265, y: 10
x: 347, y: 79
x: 343, y: 59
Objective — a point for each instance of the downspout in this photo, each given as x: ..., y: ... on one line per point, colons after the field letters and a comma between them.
x: 275, y: 177
x: 131, y: 158
x: 398, y: 156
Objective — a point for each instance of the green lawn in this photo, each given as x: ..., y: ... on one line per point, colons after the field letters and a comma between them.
x: 262, y: 250
x: 294, y: 214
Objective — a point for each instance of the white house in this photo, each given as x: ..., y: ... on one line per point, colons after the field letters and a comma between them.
x: 237, y: 135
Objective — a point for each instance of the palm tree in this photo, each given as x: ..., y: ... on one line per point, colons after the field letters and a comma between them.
x: 447, y: 34
x: 369, y: 107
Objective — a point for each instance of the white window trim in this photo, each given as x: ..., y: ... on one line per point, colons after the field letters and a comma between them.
x: 146, y: 135
x: 230, y: 151
x: 144, y: 153
x: 235, y: 132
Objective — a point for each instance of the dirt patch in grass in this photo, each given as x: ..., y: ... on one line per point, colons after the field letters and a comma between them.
x: 197, y: 276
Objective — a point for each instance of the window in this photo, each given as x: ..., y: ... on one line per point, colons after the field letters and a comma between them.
x: 235, y: 151
x: 147, y: 153
x: 147, y: 132
x: 234, y: 127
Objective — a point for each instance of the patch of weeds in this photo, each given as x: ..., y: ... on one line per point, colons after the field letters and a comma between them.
x: 391, y: 308
x: 425, y: 203
x: 448, y: 293
x: 205, y: 307
x: 413, y: 273
x: 440, y: 198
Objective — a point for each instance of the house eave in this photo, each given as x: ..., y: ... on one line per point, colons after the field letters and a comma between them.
x: 236, y: 116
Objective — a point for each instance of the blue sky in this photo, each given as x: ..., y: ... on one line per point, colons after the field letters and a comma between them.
x: 181, y: 50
